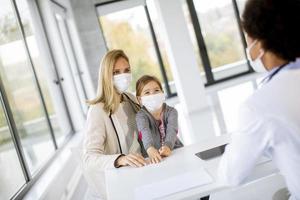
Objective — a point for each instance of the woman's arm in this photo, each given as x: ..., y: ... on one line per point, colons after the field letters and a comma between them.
x: 95, y: 142
x: 146, y: 134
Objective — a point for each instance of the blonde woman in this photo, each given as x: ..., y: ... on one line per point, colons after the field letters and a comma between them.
x: 111, y: 134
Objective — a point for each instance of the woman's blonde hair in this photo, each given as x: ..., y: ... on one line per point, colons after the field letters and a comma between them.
x: 106, y: 92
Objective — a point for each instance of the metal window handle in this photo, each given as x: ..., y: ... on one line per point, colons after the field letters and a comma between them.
x: 58, y: 81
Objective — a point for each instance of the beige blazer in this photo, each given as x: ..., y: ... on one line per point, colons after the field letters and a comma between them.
x: 101, y: 147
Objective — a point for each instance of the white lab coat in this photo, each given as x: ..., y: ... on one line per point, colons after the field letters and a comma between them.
x: 269, y: 125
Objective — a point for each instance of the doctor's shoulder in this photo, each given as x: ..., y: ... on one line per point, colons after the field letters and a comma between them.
x: 257, y: 103
x: 272, y: 93
x: 283, y: 83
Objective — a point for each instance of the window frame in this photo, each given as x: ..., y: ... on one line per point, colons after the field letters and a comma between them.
x: 70, y: 55
x: 202, y: 46
x: 30, y: 178
x: 118, y: 5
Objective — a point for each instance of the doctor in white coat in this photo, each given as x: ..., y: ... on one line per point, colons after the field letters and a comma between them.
x: 269, y: 120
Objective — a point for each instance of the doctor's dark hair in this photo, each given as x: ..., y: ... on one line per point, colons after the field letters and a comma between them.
x: 276, y: 24
x: 144, y: 80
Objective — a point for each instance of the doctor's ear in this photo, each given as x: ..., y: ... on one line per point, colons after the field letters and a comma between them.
x: 260, y: 44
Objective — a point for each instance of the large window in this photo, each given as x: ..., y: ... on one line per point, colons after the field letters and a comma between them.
x: 138, y: 39
x: 32, y: 124
x: 11, y: 175
x: 24, y: 99
x: 28, y: 22
x: 70, y: 57
x: 220, y: 32
x: 214, y: 27
x: 194, y: 40
x: 217, y: 37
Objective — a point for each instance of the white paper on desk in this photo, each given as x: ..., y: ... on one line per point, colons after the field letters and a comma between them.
x: 173, y: 185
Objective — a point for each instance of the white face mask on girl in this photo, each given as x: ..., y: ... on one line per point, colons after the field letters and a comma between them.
x: 256, y: 64
x: 153, y: 102
x: 122, y: 81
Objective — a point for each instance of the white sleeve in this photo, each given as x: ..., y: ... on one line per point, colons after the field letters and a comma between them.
x: 95, y: 160
x: 94, y: 156
x: 245, y: 148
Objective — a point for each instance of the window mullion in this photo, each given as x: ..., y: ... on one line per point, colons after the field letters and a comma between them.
x: 238, y: 19
x: 201, y: 42
x: 158, y: 53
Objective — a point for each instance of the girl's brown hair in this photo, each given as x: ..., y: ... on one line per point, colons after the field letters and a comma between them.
x: 144, y: 80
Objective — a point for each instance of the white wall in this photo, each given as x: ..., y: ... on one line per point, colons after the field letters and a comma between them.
x: 185, y: 69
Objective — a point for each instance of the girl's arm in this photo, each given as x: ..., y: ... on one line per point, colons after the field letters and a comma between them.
x: 146, y: 136
x: 144, y: 130
x: 171, y: 128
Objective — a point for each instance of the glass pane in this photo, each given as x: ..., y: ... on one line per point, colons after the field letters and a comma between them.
x: 11, y: 175
x: 241, y: 5
x: 52, y: 104
x: 135, y: 39
x: 160, y: 40
x: 64, y: 33
x: 230, y: 106
x: 188, y: 20
x: 24, y: 99
x: 222, y: 38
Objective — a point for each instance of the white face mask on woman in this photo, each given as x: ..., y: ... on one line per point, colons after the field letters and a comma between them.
x: 256, y: 64
x: 122, y: 81
x: 153, y: 102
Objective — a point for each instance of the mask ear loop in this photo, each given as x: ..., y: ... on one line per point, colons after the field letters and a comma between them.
x: 113, y: 124
x: 252, y: 45
x: 261, y: 54
x: 248, y: 49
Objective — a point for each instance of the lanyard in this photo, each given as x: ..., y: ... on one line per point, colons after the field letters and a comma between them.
x: 268, y: 78
x: 112, y: 122
x: 115, y: 129
x: 277, y: 70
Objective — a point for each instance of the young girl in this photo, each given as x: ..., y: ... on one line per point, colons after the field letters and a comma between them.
x: 156, y: 121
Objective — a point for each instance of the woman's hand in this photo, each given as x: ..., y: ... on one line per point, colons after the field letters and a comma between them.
x: 134, y: 160
x: 165, y: 151
x: 154, y: 155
